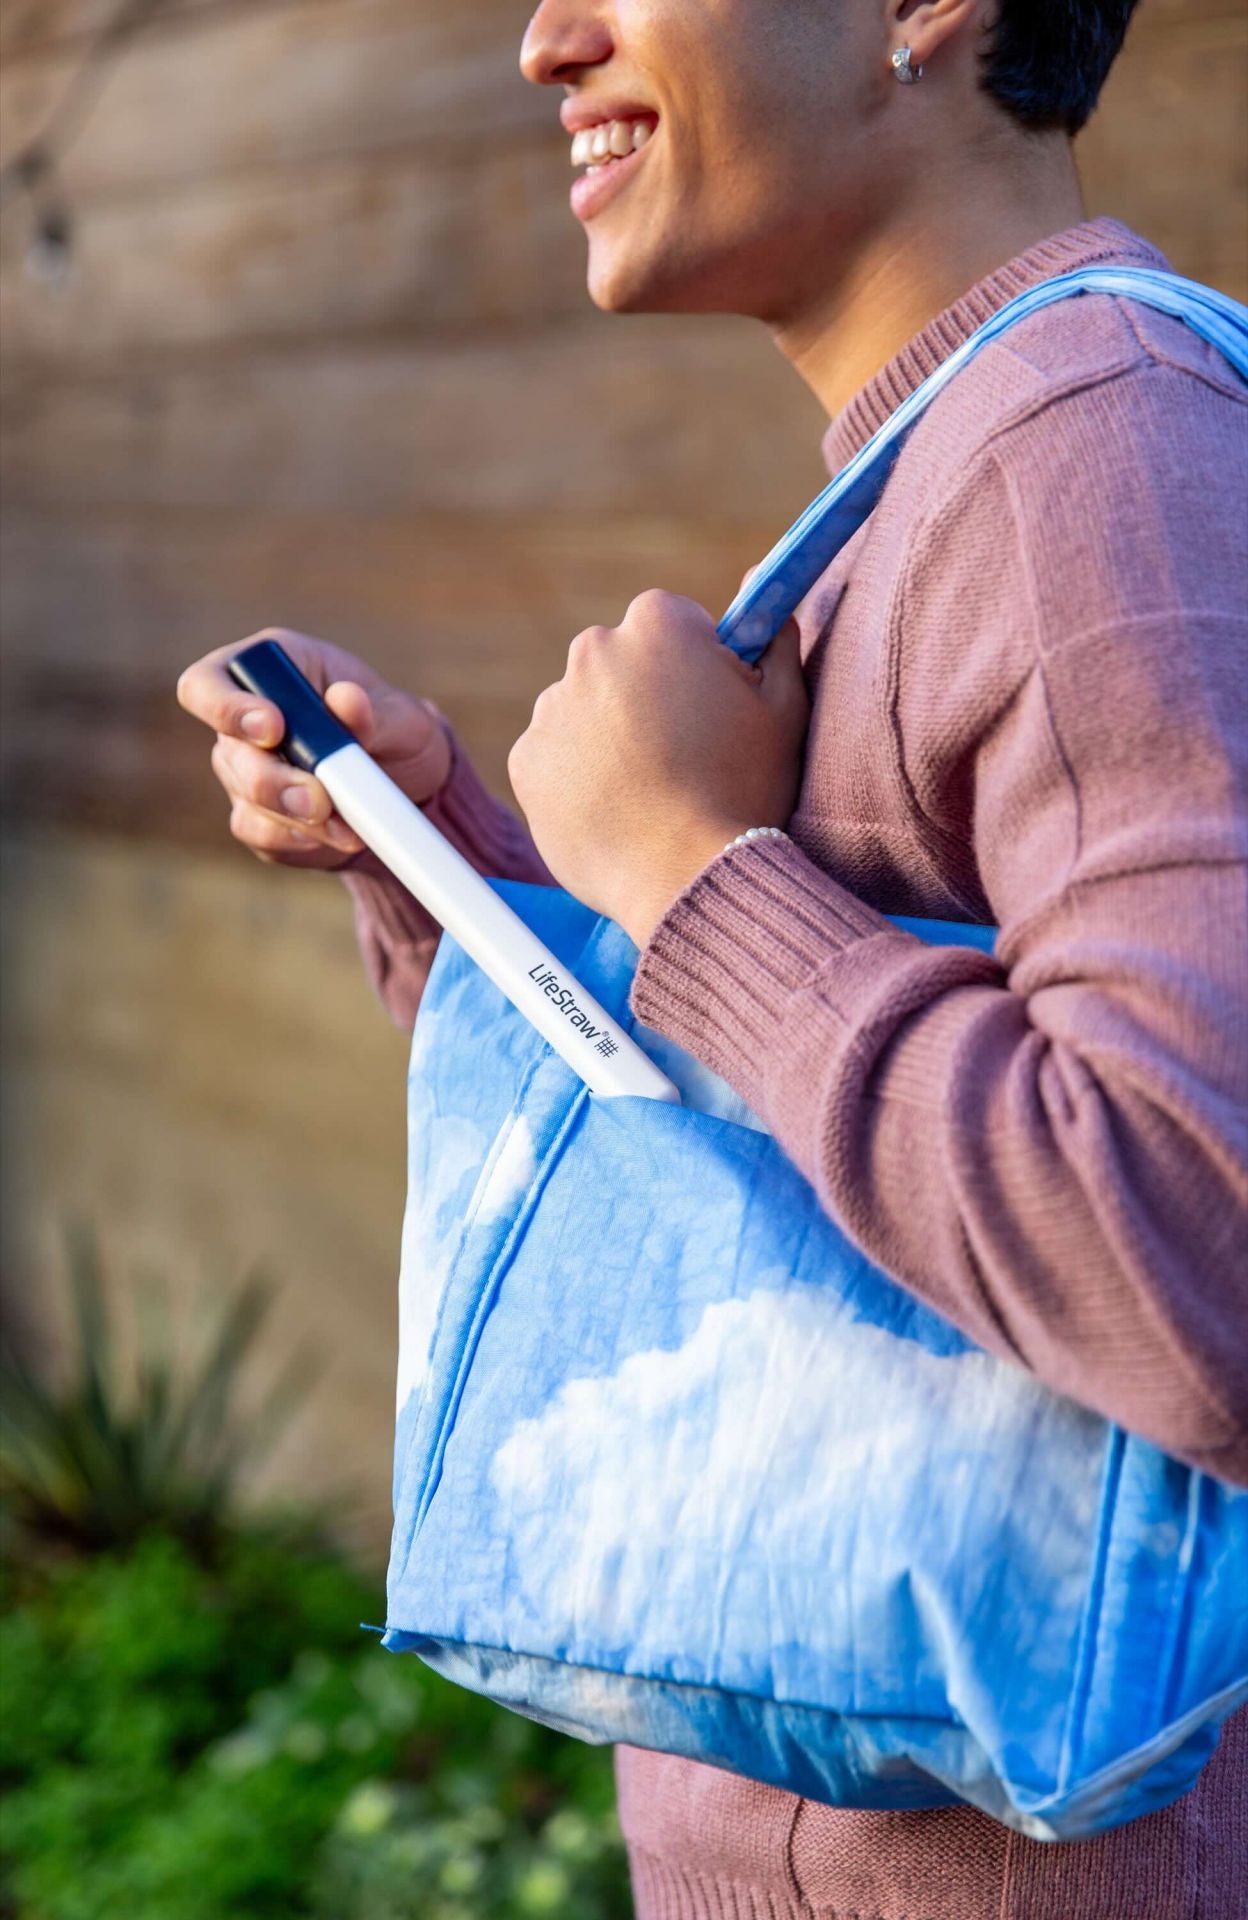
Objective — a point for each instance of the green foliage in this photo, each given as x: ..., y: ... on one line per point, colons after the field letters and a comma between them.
x: 191, y: 1741
x: 192, y: 1725
x: 393, y: 1857
x: 92, y: 1462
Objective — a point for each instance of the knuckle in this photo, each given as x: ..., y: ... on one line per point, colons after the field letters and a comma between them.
x: 587, y: 642
x: 195, y: 690
x: 414, y: 713
x: 253, y: 830
x: 268, y: 835
x: 257, y: 784
x: 421, y: 725
x: 518, y: 759
x: 655, y: 605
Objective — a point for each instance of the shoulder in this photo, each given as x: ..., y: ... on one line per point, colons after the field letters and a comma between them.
x: 1097, y: 452
x: 1138, y: 392
x: 1091, y: 365
x: 1069, y: 526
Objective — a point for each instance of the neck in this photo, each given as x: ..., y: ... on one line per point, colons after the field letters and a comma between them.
x: 929, y: 251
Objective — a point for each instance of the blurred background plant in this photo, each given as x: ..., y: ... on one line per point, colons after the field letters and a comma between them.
x: 89, y: 1464
x: 192, y: 1725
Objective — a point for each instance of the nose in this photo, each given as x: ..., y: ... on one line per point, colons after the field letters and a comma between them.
x: 563, y: 38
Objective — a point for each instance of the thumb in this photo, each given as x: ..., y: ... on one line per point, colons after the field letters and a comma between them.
x: 348, y: 702
x: 405, y: 735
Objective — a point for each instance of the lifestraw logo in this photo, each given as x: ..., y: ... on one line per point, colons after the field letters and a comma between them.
x: 564, y: 1000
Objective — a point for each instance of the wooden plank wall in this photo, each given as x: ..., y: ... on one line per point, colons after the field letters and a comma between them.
x: 324, y: 358
x: 324, y: 346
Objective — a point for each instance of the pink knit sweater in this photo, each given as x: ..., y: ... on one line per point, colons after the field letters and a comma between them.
x: 1029, y: 680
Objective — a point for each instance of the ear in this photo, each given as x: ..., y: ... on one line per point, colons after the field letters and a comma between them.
x: 928, y: 27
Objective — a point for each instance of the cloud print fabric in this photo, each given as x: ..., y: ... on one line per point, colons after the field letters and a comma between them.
x: 676, y: 1465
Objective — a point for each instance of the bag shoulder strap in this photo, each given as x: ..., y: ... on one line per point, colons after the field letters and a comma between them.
x: 795, y: 563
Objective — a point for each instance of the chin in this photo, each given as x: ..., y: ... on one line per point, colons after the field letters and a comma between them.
x: 617, y: 300
x: 614, y: 287
x: 618, y: 286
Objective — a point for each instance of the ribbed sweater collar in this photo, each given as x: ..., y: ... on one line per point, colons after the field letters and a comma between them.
x: 1093, y: 242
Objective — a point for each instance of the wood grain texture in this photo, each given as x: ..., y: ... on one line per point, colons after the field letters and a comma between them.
x: 404, y: 243
x: 105, y: 610
x: 597, y: 416
x: 286, y: 85
x: 1168, y: 150
x: 37, y: 27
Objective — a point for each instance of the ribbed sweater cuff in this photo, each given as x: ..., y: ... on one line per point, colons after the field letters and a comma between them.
x: 756, y: 927
x: 385, y: 911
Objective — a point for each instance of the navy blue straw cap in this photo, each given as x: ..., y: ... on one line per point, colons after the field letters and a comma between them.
x: 312, y: 733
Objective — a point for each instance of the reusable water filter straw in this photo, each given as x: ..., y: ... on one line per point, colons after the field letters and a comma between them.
x: 594, y: 1045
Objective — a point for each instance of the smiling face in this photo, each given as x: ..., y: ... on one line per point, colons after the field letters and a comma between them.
x: 723, y: 146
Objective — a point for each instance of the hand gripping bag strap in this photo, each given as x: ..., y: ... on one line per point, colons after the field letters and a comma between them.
x: 794, y: 564
x: 908, y: 1574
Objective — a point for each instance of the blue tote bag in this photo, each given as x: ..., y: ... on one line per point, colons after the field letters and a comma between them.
x: 676, y: 1465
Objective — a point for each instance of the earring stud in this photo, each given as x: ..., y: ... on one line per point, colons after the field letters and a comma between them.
x: 908, y: 75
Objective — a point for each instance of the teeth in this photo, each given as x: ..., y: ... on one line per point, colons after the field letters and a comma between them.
x: 610, y: 140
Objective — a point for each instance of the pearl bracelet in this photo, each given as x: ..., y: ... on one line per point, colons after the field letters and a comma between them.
x: 756, y: 833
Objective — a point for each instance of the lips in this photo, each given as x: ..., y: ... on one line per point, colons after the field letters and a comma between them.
x: 576, y: 115
x: 610, y: 142
x: 601, y: 184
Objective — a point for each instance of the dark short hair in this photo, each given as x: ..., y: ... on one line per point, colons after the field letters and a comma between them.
x: 1045, y: 61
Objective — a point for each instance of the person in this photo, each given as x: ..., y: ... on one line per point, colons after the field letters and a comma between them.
x: 1019, y: 697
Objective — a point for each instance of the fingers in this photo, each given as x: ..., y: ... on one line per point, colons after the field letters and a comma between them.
x: 207, y: 692
x: 274, y: 839
x: 407, y: 736
x: 264, y: 785
x: 248, y: 773
x: 348, y: 702
x: 666, y: 610
x: 783, y: 682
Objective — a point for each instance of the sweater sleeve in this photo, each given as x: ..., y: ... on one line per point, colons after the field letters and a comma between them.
x: 1048, y: 1145
x: 397, y: 937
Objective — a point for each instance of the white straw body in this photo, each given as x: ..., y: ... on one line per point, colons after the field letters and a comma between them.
x: 594, y: 1045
